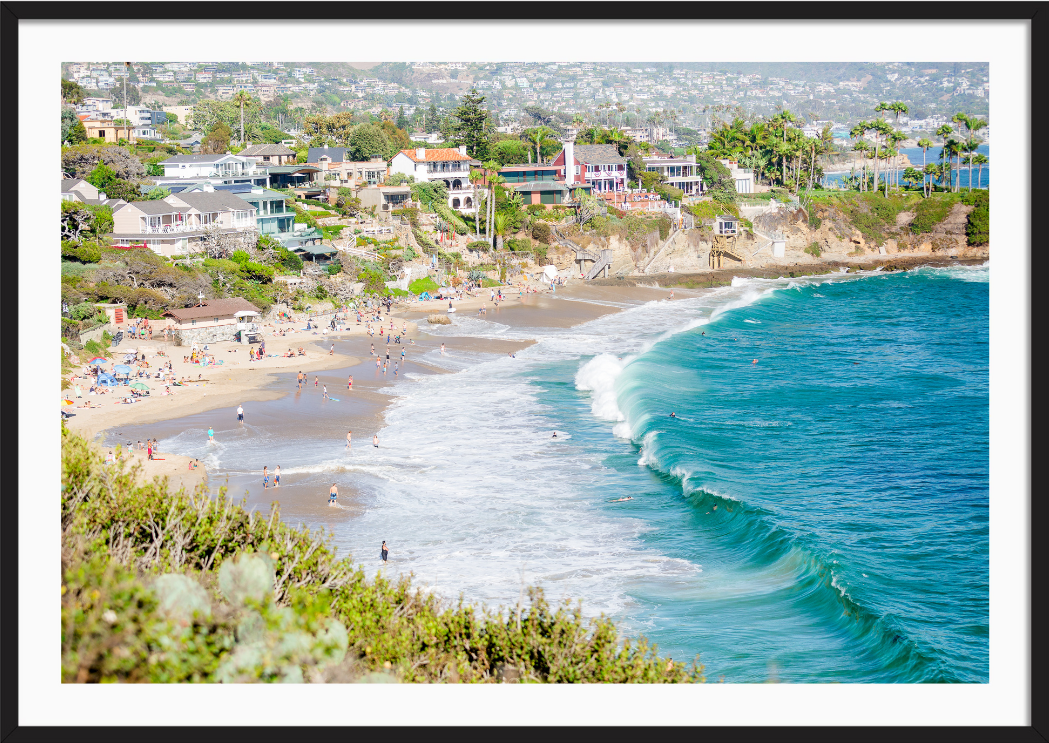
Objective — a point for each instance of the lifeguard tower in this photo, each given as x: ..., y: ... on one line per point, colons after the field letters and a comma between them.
x: 726, y: 230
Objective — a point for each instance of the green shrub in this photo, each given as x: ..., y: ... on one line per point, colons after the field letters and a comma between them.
x: 815, y: 221
x: 542, y: 233
x: 83, y: 311
x: 519, y: 245
x: 478, y: 245
x: 400, y: 293
x: 535, y: 209
x: 240, y: 257
x: 814, y: 250
x: 425, y: 284
x: 978, y: 226
x: 931, y: 211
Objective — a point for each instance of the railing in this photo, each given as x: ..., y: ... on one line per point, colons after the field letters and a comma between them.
x: 167, y: 228
x: 442, y: 171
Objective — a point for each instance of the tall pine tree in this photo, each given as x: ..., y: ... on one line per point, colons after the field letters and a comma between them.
x: 471, y: 125
x: 402, y: 120
x: 433, y: 120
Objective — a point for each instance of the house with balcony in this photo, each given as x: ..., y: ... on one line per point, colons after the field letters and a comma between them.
x: 304, y: 179
x: 450, y: 165
x: 339, y: 169
x: 744, y: 177
x: 679, y: 172
x: 539, y: 184
x: 225, y: 169
x: 177, y: 224
x: 598, y: 165
x: 385, y: 198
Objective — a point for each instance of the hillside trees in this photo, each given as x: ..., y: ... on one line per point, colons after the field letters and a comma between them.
x: 471, y: 125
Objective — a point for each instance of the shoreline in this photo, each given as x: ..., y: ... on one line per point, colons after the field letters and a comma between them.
x: 569, y: 306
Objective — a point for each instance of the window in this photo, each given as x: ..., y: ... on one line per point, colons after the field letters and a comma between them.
x: 101, y: 132
x: 577, y: 170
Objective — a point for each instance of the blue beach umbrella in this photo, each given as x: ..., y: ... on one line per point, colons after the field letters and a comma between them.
x: 121, y: 369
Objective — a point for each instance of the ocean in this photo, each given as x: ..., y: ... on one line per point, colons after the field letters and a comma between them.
x: 981, y: 177
x: 815, y: 511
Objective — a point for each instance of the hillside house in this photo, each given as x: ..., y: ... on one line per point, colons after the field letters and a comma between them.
x: 450, y: 165
x: 600, y: 166
x: 177, y: 225
x: 269, y: 154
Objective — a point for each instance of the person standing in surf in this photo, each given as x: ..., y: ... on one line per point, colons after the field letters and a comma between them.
x: 333, y: 495
x: 349, y: 437
x: 375, y: 440
x: 265, y: 478
x: 211, y: 433
x: 240, y: 413
x: 276, y: 477
x: 383, y: 552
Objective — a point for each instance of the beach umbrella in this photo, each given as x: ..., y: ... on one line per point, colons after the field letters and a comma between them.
x: 121, y: 369
x: 67, y: 402
x: 139, y: 386
x: 98, y: 360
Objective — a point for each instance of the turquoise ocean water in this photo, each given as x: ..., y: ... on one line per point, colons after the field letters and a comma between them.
x: 820, y: 515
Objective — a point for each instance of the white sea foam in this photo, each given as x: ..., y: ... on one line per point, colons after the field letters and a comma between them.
x: 599, y: 376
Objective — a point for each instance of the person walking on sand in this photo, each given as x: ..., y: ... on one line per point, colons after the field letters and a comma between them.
x: 331, y: 351
x: 149, y: 451
x: 325, y: 393
x: 240, y: 413
x: 349, y: 439
x: 211, y: 433
x: 316, y: 381
x: 265, y: 478
x: 384, y: 553
x: 375, y: 440
x: 333, y: 495
x: 276, y: 477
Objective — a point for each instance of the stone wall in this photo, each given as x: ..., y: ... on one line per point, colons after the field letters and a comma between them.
x: 213, y: 334
x: 95, y: 334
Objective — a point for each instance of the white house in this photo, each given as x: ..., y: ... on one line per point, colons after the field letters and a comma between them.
x: 207, y: 166
x: 447, y: 164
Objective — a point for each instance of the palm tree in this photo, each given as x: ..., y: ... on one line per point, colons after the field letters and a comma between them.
x: 960, y: 118
x: 895, y: 138
x: 945, y: 131
x: 858, y: 132
x: 491, y: 169
x: 477, y: 177
x: 242, y: 98
x: 537, y: 136
x: 935, y: 173
x: 979, y: 160
x: 501, y: 225
x: 973, y: 124
x: 925, y: 144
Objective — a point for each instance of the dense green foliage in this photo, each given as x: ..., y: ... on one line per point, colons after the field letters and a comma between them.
x: 930, y: 212
x: 978, y: 226
x: 425, y: 284
x: 166, y: 587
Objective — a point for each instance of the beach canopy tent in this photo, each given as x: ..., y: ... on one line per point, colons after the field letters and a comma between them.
x: 424, y: 296
x: 108, y: 380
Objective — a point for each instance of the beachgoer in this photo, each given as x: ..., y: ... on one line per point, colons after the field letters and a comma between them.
x: 149, y: 451
x: 349, y: 383
x: 349, y: 439
x: 316, y: 381
x: 384, y: 552
x: 265, y: 478
x: 375, y: 440
x: 333, y: 495
x: 276, y: 477
x: 378, y: 361
x: 325, y: 393
x: 442, y: 349
x: 373, y: 349
x: 395, y: 367
x: 211, y: 434
x: 331, y: 351
x: 240, y: 412
x: 673, y: 415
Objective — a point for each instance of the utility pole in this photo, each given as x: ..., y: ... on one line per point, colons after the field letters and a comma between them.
x: 127, y: 122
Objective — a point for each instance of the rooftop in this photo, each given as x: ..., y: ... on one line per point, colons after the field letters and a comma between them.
x: 597, y: 153
x: 265, y: 149
x: 442, y: 154
x: 214, y: 308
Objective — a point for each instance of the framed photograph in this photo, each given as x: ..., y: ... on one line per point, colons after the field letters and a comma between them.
x: 651, y: 367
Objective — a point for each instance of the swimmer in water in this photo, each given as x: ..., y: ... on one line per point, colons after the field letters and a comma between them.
x: 673, y: 415
x: 555, y: 435
x: 617, y: 500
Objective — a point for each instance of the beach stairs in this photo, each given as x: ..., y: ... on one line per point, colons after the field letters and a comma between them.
x: 602, y: 262
x: 666, y: 243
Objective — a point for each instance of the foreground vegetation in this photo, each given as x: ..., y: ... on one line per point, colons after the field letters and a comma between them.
x: 176, y: 587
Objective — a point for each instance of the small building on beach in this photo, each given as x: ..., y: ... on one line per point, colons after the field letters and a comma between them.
x: 213, y: 321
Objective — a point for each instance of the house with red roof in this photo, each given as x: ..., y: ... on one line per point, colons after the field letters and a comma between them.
x: 448, y: 164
